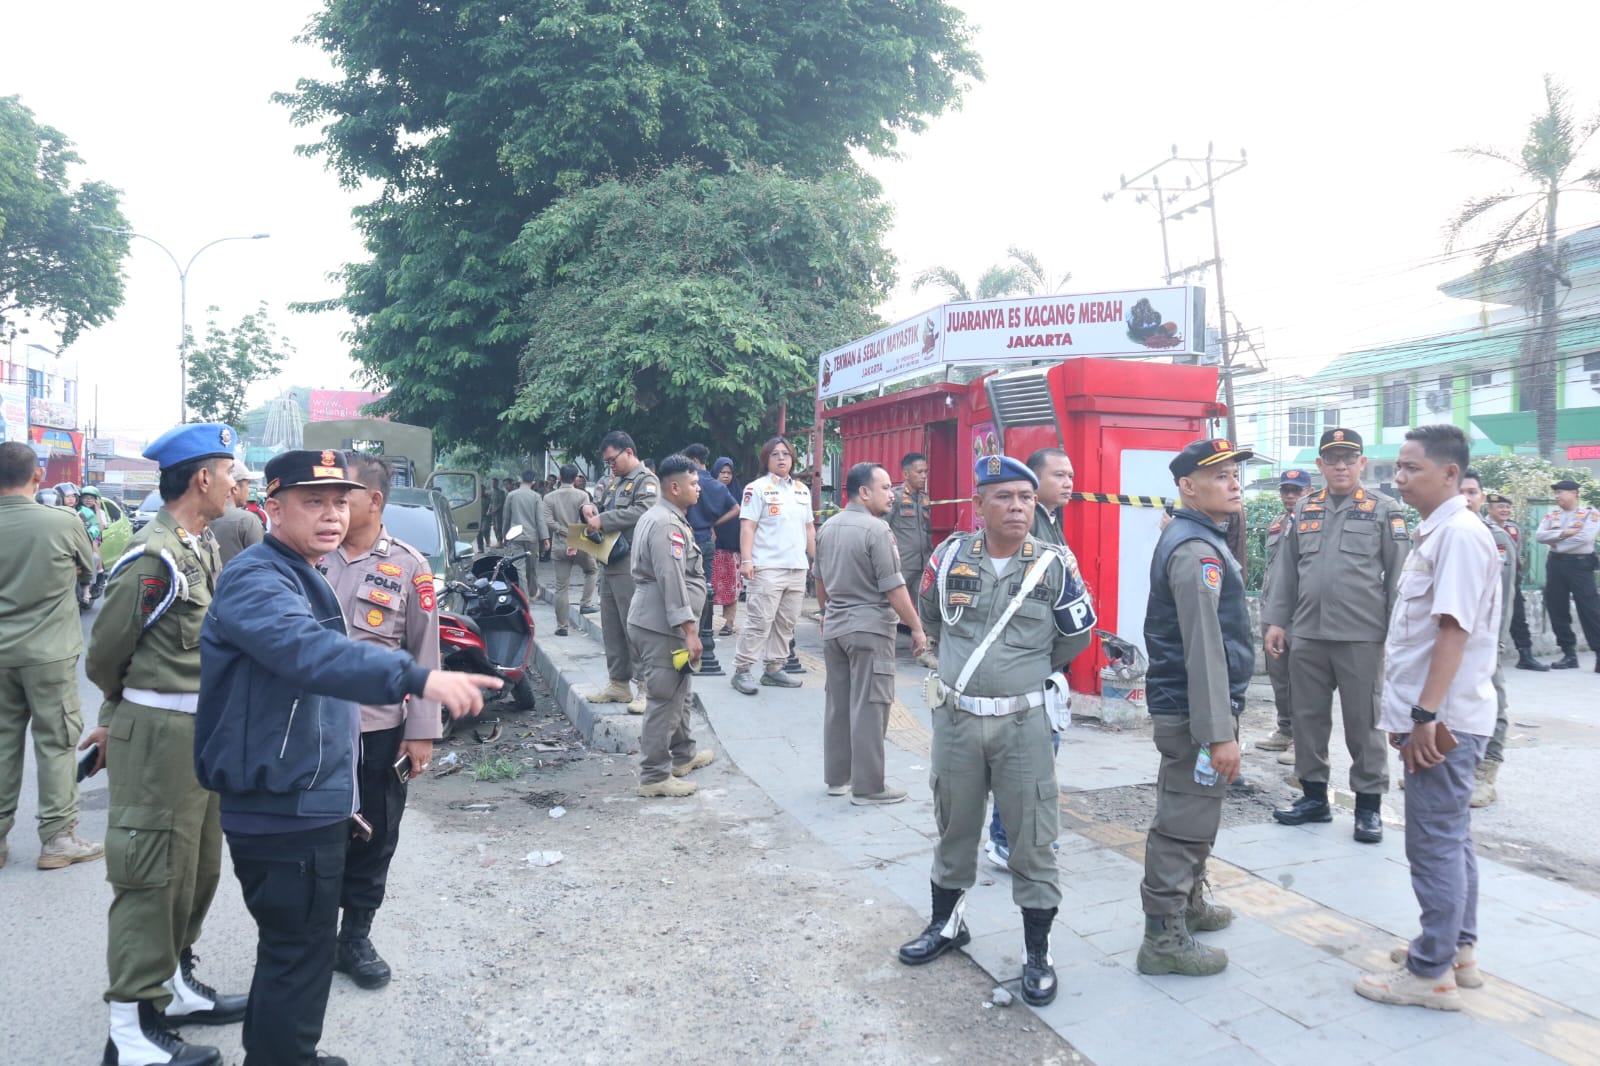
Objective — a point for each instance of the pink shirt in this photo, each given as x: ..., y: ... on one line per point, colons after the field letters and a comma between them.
x: 1454, y: 570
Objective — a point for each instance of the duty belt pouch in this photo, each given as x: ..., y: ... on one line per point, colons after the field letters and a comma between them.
x: 619, y: 550
x: 1058, y: 701
x: 935, y: 691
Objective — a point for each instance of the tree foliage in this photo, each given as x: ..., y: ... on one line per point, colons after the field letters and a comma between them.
x: 1021, y: 273
x: 52, y: 265
x: 224, y: 366
x: 683, y: 304
x: 471, y: 118
x: 1549, y: 165
x: 1527, y: 478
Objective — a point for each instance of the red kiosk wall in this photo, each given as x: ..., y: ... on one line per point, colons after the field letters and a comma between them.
x: 1122, y: 423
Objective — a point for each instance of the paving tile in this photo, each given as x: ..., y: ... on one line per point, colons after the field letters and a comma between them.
x: 1089, y: 919
x: 1335, y: 1045
x: 1078, y: 863
x: 1205, y: 991
x: 1096, y: 989
x: 1220, y: 1003
x: 1145, y: 1036
x: 1229, y: 1055
x: 1277, y: 955
x: 1313, y: 994
x: 1498, y: 953
x: 1117, y: 940
x: 1404, y: 1027
x: 1477, y: 1044
x: 1558, y: 979
x: 1261, y: 1028
x: 1105, y: 886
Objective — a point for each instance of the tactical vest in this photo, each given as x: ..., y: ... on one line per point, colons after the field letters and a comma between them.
x: 1167, y: 680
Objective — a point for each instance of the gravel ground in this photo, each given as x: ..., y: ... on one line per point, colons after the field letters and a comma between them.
x: 708, y: 930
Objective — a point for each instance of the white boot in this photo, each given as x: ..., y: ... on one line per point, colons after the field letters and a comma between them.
x: 139, y: 1039
x: 196, y: 1003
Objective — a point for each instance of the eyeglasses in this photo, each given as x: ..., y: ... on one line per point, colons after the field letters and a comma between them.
x: 1343, y: 460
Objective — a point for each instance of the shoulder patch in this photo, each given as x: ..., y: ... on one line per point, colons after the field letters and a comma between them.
x: 1397, y: 528
x: 425, y: 598
x: 647, y: 489
x: 1211, y: 574
x: 152, y: 590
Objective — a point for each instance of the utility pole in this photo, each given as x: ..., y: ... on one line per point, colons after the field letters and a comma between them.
x: 1173, y: 204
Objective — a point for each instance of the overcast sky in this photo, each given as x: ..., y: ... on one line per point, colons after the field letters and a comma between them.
x: 1331, y: 234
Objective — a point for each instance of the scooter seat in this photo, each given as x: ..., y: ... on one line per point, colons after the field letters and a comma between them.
x: 470, y: 624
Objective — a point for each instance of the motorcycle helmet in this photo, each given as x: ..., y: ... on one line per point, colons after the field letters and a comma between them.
x: 46, y: 497
x: 63, y: 490
x: 90, y: 490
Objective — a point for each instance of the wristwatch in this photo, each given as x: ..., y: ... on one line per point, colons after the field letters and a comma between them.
x: 1418, y: 714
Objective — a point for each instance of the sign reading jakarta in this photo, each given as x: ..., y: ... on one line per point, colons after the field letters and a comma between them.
x: 1134, y: 323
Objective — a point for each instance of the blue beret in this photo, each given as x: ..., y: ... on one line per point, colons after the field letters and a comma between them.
x: 197, y: 440
x: 1295, y: 477
x: 993, y: 469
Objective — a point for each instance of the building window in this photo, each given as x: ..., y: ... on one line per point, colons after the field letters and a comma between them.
x: 1330, y: 417
x: 1397, y: 403
x: 1302, y: 427
x: 1591, y: 363
x: 1483, y: 379
x: 36, y: 386
x: 1361, y: 392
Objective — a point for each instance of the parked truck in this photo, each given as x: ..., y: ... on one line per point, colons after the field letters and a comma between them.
x: 410, y: 449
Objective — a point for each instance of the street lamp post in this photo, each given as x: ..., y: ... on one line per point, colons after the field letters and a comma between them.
x: 183, y: 302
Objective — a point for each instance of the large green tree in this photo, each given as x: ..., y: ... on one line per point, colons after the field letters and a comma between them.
x: 471, y: 118
x: 682, y: 304
x: 1522, y: 218
x: 224, y: 365
x: 53, y: 267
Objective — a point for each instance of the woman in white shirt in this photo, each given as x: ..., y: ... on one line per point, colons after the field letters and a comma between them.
x: 777, y: 542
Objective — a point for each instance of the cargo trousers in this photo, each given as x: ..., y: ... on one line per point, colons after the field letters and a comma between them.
x: 664, y: 739
x: 42, y: 698
x: 1354, y: 669
x: 1011, y: 757
x: 616, y: 596
x: 860, y: 689
x: 1184, y: 829
x: 163, y: 850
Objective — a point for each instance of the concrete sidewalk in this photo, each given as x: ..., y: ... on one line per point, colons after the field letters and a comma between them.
x: 1315, y: 910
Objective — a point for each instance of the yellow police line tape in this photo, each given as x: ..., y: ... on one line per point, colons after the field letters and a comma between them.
x: 1117, y: 498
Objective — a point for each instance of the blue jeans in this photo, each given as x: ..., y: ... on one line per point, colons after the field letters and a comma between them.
x: 997, y: 832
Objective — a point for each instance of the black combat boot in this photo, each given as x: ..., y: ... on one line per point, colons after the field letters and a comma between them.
x: 356, y: 955
x: 1038, y: 968
x: 1568, y: 660
x: 947, y: 930
x: 1526, y: 661
x: 196, y: 1003
x: 1369, y: 817
x: 139, y: 1036
x: 1312, y: 807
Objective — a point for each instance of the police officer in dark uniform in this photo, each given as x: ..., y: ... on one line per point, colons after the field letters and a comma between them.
x: 1569, y: 532
x: 1010, y: 613
x: 632, y: 492
x: 1202, y: 653
x: 1292, y: 485
x: 910, y: 518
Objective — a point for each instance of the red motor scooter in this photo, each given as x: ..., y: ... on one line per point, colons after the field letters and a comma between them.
x: 486, y: 628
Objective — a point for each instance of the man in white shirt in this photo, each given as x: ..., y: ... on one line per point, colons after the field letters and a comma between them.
x: 1439, y: 663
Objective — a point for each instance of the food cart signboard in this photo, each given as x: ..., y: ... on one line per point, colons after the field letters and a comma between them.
x: 1133, y: 323
x: 907, y: 347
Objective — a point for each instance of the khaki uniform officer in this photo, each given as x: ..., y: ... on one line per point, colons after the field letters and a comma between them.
x: 164, y: 837
x: 669, y: 592
x: 1488, y: 768
x: 562, y: 508
x: 1292, y: 485
x: 991, y: 722
x: 386, y: 589
x: 911, y: 519
x: 46, y: 553
x: 1197, y: 630
x: 1334, y: 583
x: 1569, y: 531
x: 631, y: 492
x: 861, y: 591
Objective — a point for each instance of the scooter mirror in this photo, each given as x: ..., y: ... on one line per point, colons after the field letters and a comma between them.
x: 513, y: 533
x: 462, y: 549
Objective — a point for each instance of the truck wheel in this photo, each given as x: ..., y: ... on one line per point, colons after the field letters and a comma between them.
x: 522, y: 693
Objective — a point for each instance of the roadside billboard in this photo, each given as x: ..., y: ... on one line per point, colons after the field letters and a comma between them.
x: 907, y: 347
x: 14, y: 413
x: 332, y: 405
x: 52, y: 414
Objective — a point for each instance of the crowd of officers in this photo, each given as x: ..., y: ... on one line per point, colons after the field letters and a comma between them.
x: 193, y: 684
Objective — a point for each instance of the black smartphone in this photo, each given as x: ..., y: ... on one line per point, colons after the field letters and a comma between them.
x: 87, y: 760
x: 402, y: 768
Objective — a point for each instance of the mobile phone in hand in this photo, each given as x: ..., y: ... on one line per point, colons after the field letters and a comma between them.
x: 87, y: 760
x: 402, y: 768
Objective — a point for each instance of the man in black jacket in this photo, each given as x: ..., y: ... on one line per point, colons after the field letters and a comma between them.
x: 277, y: 734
